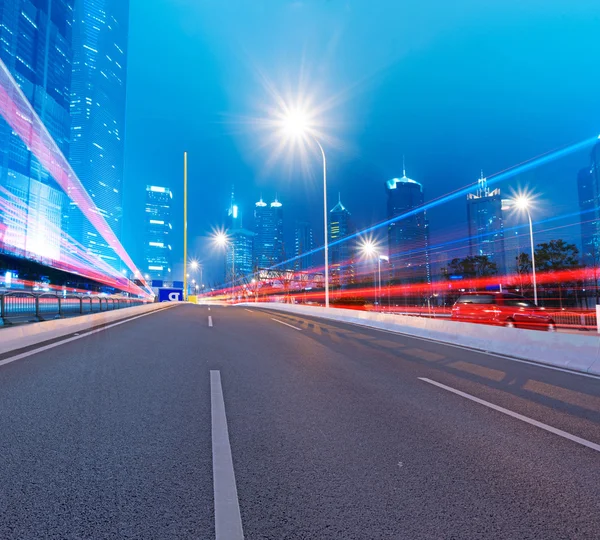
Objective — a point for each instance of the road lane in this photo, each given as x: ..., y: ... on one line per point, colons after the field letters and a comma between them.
x: 109, y: 436
x: 558, y: 397
x: 337, y: 438
x: 332, y: 435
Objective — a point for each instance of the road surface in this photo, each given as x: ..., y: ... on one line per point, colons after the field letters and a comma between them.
x: 198, y: 422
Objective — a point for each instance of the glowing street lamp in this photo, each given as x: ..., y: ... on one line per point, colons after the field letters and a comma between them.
x: 296, y: 124
x: 523, y: 203
x: 221, y: 240
x: 369, y: 249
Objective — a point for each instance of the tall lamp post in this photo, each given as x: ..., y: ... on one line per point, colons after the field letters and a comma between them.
x: 193, y: 264
x: 296, y: 124
x: 379, y: 259
x: 523, y: 203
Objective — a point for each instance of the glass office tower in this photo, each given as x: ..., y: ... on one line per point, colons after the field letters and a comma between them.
x: 157, y: 241
x: 100, y: 35
x: 408, y: 237
x: 486, y: 224
x: 36, y: 47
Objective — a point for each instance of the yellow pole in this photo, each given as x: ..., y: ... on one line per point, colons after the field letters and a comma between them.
x: 185, y: 226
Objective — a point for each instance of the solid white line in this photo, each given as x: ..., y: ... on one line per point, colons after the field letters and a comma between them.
x: 75, y: 337
x: 249, y: 310
x: 228, y: 520
x: 210, y: 321
x: 518, y: 416
x: 281, y: 322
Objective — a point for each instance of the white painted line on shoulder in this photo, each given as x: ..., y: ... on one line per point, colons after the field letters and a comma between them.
x: 249, y: 310
x: 210, y: 321
x: 281, y: 322
x: 75, y: 337
x: 228, y: 520
x: 518, y: 416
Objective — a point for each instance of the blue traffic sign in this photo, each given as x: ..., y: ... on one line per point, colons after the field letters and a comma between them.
x: 170, y: 295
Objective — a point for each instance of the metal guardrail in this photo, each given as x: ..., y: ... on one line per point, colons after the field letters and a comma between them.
x: 22, y: 306
x: 574, y: 319
x: 579, y: 319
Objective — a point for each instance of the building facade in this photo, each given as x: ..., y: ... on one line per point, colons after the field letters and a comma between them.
x: 239, y: 260
x: 268, y: 228
x: 588, y: 185
x: 408, y: 237
x: 36, y: 45
x: 157, y: 240
x: 342, y: 254
x: 97, y: 102
x: 303, y: 245
x: 486, y: 225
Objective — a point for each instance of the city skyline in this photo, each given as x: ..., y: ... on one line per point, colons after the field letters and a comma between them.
x: 481, y: 103
x: 342, y: 168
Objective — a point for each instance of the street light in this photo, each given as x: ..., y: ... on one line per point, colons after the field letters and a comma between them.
x: 296, y: 124
x: 522, y: 202
x: 221, y: 239
x: 369, y: 249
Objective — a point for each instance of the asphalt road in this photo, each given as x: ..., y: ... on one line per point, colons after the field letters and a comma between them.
x: 335, y: 431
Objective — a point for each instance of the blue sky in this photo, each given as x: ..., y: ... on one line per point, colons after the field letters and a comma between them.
x: 454, y: 86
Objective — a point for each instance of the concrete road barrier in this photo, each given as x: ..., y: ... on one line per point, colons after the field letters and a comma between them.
x: 25, y: 335
x: 575, y: 352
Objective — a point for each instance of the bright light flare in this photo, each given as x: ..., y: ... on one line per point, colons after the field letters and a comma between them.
x: 369, y: 248
x: 220, y: 238
x: 522, y: 202
x: 296, y: 123
x: 194, y: 265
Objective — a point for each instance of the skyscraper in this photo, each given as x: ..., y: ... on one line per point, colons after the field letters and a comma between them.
x: 100, y: 33
x: 239, y: 254
x: 239, y: 259
x: 157, y: 247
x: 303, y: 243
x: 486, y: 224
x: 588, y: 184
x: 341, y: 255
x: 36, y: 46
x: 408, y: 238
x: 268, y: 226
x: 234, y: 215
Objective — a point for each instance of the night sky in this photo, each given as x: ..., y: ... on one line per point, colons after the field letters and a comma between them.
x: 456, y: 87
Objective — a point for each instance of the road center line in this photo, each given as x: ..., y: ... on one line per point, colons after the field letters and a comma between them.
x: 228, y: 520
x: 518, y: 416
x: 75, y: 337
x: 281, y: 322
x: 210, y: 321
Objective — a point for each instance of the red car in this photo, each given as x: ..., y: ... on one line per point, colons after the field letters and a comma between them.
x: 502, y: 309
